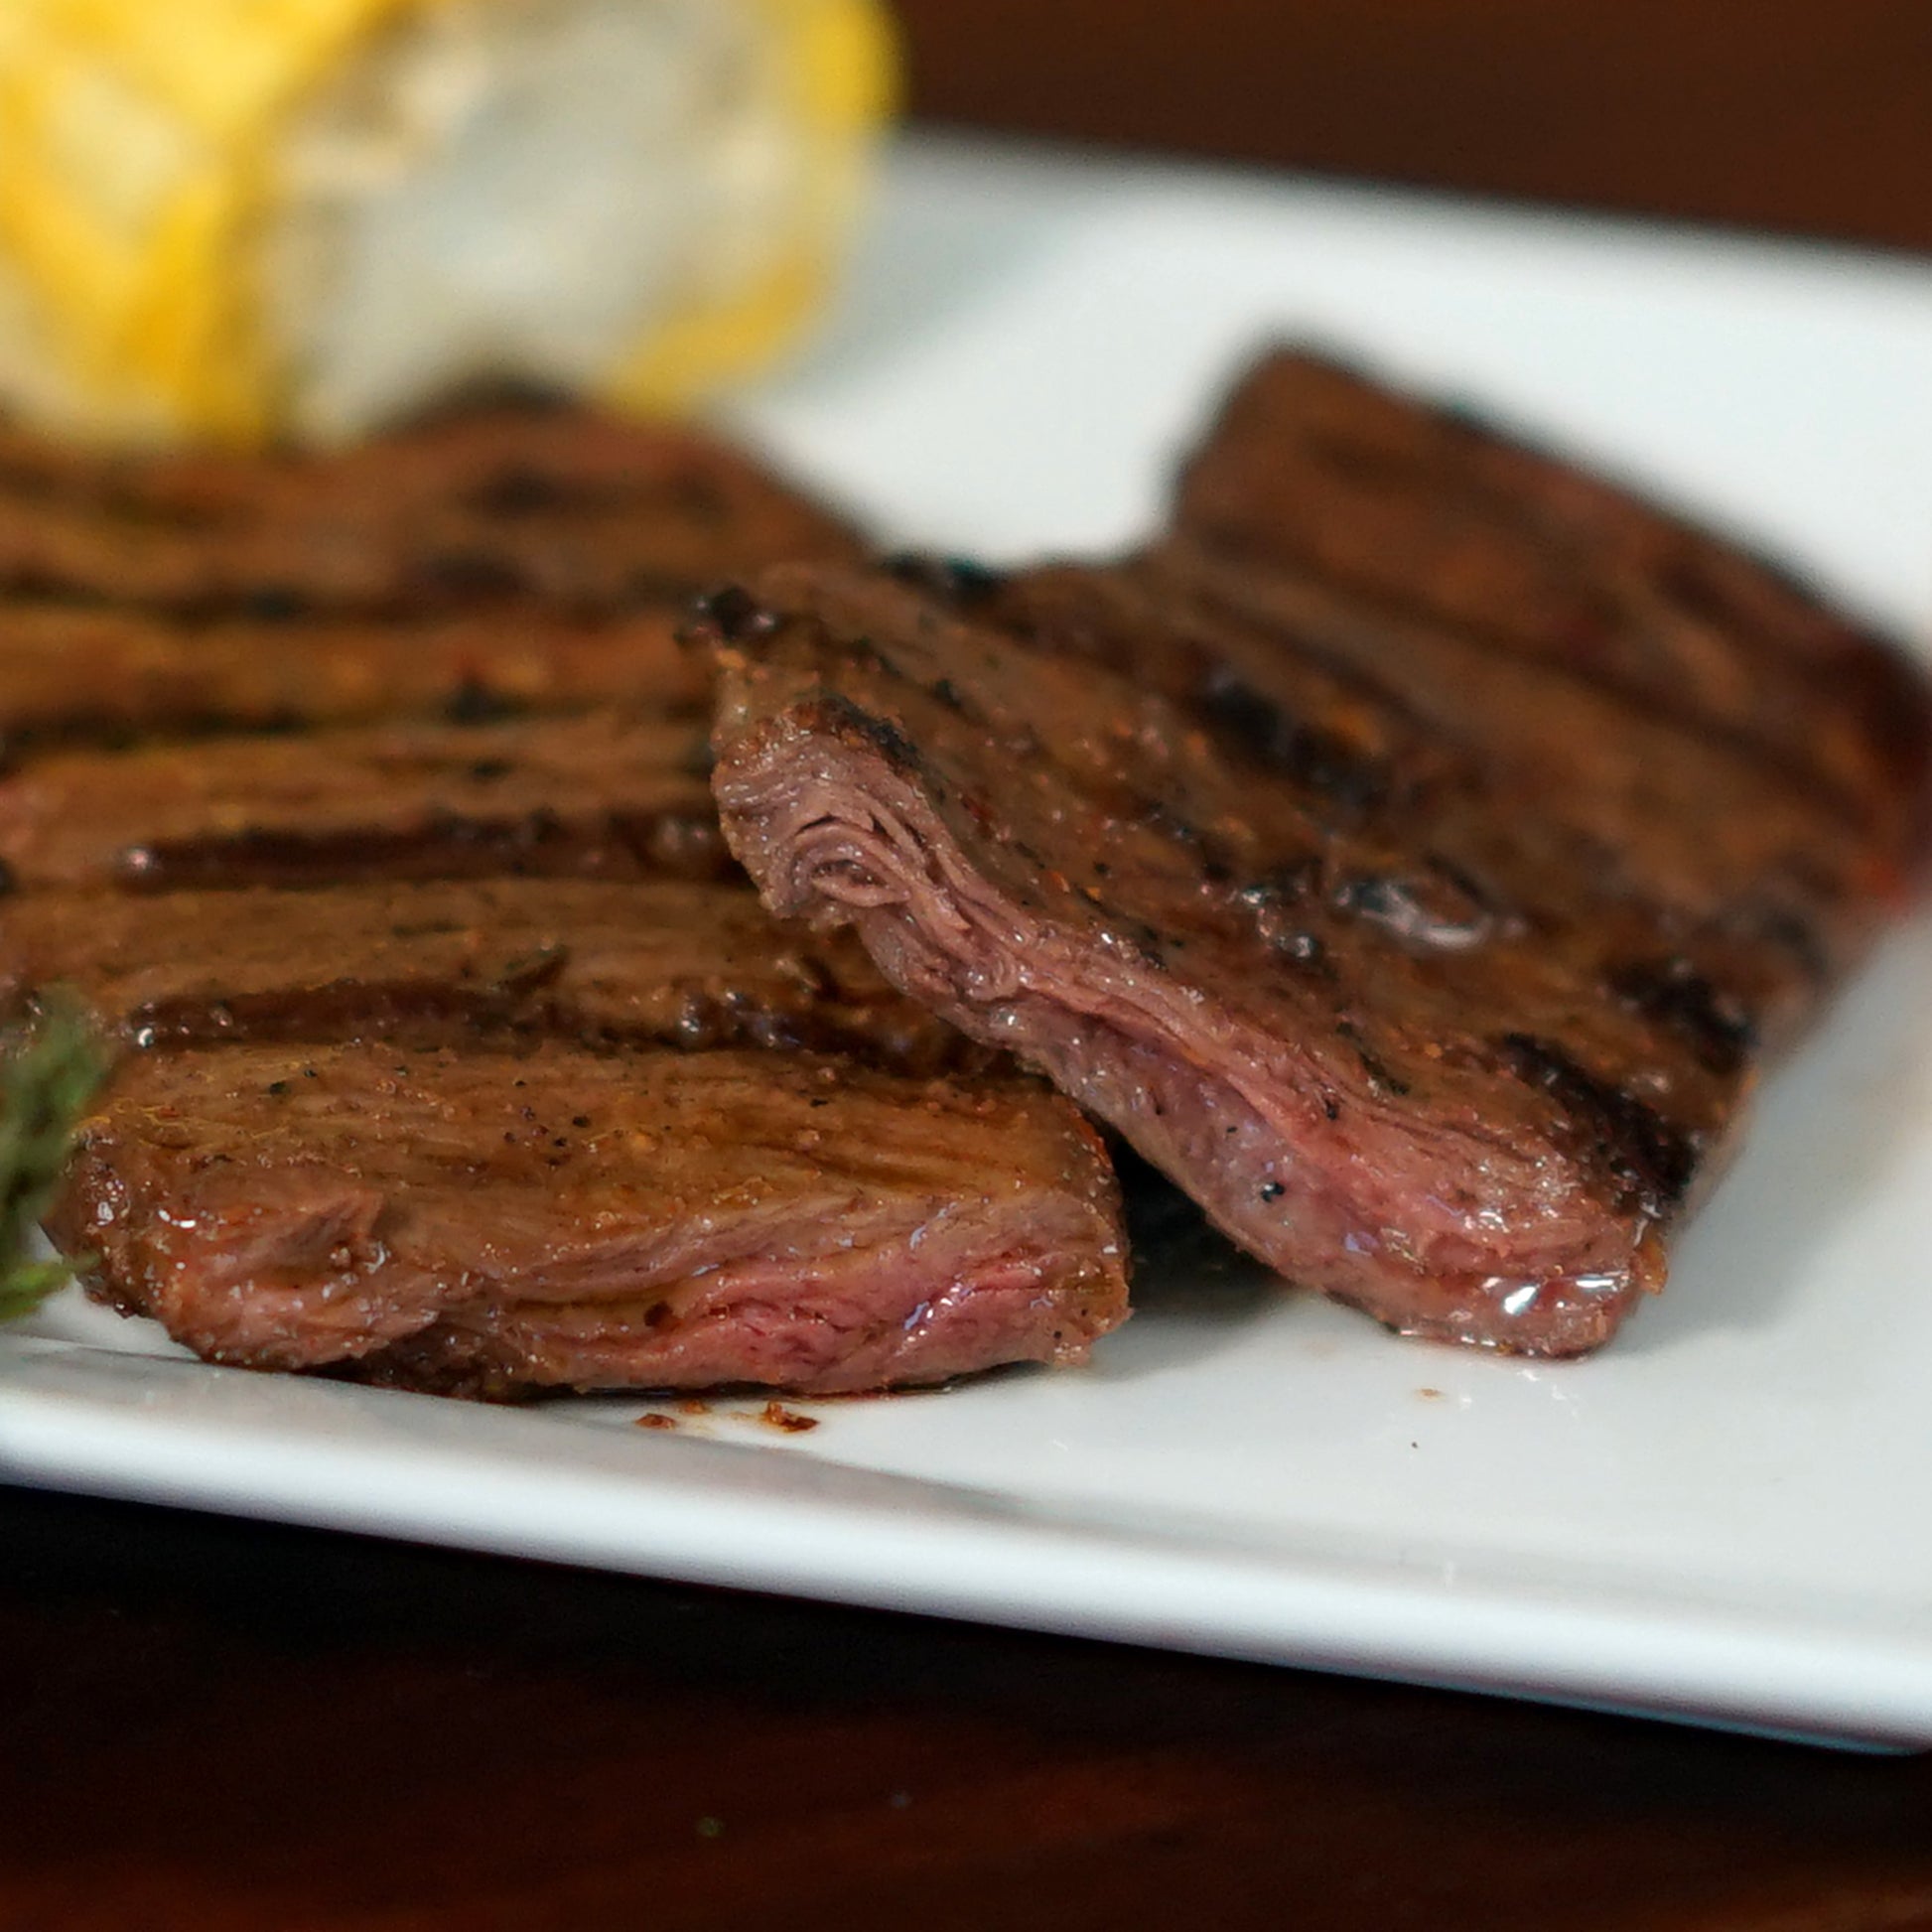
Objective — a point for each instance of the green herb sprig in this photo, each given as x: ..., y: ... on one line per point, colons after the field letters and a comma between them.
x: 49, y: 1072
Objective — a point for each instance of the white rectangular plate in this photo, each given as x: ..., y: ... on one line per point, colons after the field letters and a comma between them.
x: 1722, y: 1517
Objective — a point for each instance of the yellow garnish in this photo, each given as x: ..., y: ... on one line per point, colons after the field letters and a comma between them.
x: 139, y: 142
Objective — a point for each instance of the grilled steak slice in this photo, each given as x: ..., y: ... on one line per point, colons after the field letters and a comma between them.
x: 79, y: 673
x: 617, y: 794
x: 695, y: 966
x: 656, y: 1219
x: 1436, y: 1011
x: 1520, y: 776
x: 565, y: 504
x: 1399, y: 509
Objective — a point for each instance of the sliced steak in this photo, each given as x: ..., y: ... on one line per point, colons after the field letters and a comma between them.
x: 567, y: 505
x: 77, y: 673
x: 1439, y: 974
x: 612, y: 793
x: 489, y: 1223
x: 613, y: 964
x: 1531, y: 784
x: 1404, y: 509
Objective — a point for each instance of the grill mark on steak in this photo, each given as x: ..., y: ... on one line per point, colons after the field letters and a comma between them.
x: 442, y: 845
x: 1712, y: 1021
x: 1321, y: 760
x: 1643, y: 1152
x: 1312, y: 466
x: 1614, y: 778
x: 1460, y: 748
x: 578, y: 509
x: 1785, y: 765
x: 75, y: 674
x: 614, y: 792
x: 1408, y: 1042
x: 612, y: 965
x: 656, y: 1219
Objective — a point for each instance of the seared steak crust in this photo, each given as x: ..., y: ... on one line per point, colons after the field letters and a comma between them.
x: 569, y: 506
x: 500, y: 1223
x: 1433, y: 513
x: 613, y: 793
x: 77, y: 674
x: 595, y: 962
x: 1437, y: 967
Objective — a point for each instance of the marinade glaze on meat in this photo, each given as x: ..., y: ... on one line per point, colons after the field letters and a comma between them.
x: 1415, y: 852
x: 364, y: 798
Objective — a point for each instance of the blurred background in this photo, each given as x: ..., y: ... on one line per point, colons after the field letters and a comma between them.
x: 234, y: 222
x: 1813, y: 115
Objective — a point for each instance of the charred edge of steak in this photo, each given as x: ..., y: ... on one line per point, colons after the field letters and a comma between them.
x: 1318, y: 760
x: 835, y: 715
x: 731, y: 616
x: 672, y: 844
x: 1709, y: 1020
x: 1651, y: 1161
x: 957, y: 582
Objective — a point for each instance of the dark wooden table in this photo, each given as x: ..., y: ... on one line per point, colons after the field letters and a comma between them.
x: 223, y: 1727
x: 215, y: 1725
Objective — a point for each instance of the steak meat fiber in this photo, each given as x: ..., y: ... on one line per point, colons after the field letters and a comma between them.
x: 497, y: 1223
x: 1415, y: 853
